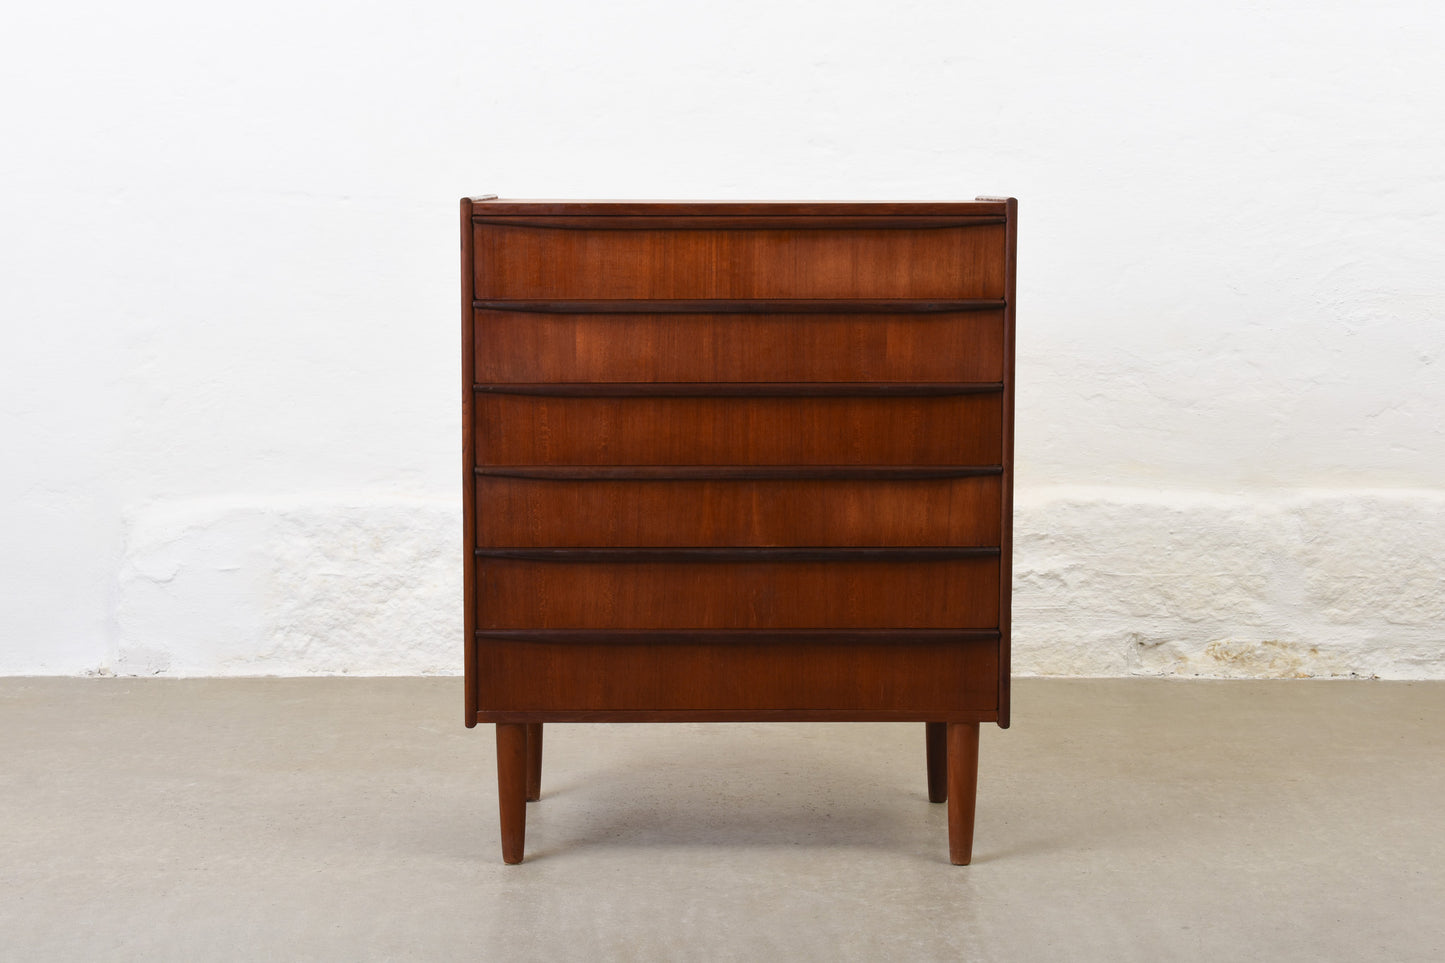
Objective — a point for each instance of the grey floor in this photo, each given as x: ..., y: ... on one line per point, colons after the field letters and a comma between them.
x: 355, y: 819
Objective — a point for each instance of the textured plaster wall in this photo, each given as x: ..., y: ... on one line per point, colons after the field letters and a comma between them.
x: 228, y: 393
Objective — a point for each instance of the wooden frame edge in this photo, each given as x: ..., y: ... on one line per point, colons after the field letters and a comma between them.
x: 734, y: 715
x: 469, y: 462
x: 1005, y: 581
x: 746, y: 222
x: 791, y: 306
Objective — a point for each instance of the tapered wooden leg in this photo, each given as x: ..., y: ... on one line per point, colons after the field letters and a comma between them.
x: 512, y: 788
x: 962, y: 789
x: 936, y: 739
x: 534, y: 761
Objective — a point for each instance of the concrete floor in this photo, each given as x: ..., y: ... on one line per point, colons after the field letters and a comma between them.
x: 355, y: 819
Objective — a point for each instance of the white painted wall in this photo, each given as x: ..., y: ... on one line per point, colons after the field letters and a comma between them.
x: 228, y: 392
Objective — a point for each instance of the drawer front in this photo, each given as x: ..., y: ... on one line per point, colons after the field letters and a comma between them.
x: 538, y: 512
x: 944, y: 676
x: 527, y: 261
x: 543, y: 430
x: 525, y: 594
x: 532, y: 346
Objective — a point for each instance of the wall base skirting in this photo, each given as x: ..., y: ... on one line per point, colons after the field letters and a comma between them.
x: 1107, y: 582
x: 1307, y: 583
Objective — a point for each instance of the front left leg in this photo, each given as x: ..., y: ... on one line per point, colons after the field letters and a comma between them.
x: 512, y: 788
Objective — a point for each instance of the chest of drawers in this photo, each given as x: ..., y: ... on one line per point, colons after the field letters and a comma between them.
x: 738, y: 462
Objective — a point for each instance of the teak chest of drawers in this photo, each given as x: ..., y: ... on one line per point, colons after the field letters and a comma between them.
x: 738, y: 462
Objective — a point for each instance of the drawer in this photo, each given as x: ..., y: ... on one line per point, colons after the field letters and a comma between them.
x: 527, y: 258
x: 938, y: 676
x: 673, y: 594
x: 534, y: 429
x: 537, y: 346
x: 679, y: 510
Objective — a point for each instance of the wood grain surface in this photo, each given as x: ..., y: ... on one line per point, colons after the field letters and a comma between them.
x: 531, y: 512
x: 538, y: 262
x: 925, y: 677
x: 959, y: 593
x: 531, y: 430
x: 517, y: 346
